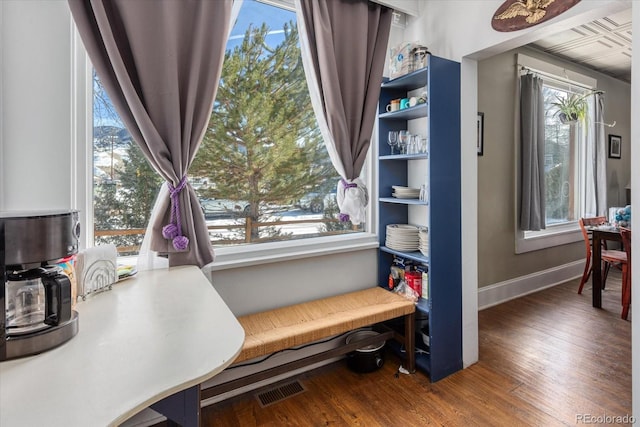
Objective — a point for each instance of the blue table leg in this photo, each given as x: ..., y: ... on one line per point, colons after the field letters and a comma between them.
x: 182, y: 407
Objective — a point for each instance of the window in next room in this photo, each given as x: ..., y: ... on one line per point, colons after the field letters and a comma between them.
x: 566, y: 148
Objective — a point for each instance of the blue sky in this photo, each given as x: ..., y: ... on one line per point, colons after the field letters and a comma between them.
x: 252, y: 13
x: 256, y: 13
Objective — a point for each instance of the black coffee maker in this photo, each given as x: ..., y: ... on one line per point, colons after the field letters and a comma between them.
x: 35, y: 294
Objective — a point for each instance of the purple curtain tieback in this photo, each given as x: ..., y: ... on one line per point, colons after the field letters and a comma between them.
x: 343, y: 217
x: 173, y: 230
x: 347, y: 184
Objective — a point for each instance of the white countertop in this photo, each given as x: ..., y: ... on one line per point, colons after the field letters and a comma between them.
x: 155, y: 334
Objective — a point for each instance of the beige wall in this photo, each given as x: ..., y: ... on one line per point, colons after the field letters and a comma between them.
x: 497, y: 260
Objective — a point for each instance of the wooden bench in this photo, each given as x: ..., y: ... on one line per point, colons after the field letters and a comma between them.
x: 271, y: 331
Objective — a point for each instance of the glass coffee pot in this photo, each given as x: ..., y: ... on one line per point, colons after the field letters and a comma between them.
x: 36, y: 299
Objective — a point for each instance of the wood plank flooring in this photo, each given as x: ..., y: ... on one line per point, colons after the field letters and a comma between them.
x: 546, y: 359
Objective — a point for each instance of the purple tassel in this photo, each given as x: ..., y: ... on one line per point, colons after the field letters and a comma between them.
x: 180, y: 243
x: 173, y: 230
x: 343, y: 217
x: 169, y: 231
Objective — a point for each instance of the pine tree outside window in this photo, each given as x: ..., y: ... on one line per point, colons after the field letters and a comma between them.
x: 262, y: 173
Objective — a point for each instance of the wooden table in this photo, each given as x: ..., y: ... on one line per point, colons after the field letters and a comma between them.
x: 159, y: 333
x: 598, y: 235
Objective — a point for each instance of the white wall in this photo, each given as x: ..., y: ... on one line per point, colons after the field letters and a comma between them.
x: 36, y: 105
x: 263, y: 287
x: 456, y: 29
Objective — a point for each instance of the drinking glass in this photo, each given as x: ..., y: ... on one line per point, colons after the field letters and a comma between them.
x: 392, y: 139
x: 423, y: 145
x: 403, y: 140
x: 414, y: 145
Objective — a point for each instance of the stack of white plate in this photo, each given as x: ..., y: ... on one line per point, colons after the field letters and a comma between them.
x: 401, y: 192
x: 402, y: 237
x: 423, y: 241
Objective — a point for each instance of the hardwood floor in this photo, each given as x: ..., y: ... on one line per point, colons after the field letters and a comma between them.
x: 546, y: 359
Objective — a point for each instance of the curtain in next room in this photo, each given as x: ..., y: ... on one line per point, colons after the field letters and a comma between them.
x: 595, y: 200
x: 532, y: 187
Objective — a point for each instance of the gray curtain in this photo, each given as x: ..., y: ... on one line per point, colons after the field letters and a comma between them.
x: 160, y: 62
x: 344, y: 44
x: 532, y: 186
x: 599, y: 160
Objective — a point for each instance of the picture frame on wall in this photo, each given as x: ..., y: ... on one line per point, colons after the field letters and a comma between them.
x: 480, y: 125
x: 615, y: 146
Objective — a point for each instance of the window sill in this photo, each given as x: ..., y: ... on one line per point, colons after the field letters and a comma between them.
x: 554, y: 236
x: 244, y: 256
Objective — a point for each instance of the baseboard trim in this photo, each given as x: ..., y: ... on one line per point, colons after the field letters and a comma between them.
x: 495, y: 294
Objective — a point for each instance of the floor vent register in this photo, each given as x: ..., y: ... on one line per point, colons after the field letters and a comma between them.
x: 279, y: 393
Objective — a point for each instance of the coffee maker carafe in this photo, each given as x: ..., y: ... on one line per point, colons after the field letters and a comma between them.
x: 35, y: 293
x: 36, y: 299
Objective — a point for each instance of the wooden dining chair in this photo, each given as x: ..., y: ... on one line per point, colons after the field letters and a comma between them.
x: 609, y: 257
x: 626, y: 273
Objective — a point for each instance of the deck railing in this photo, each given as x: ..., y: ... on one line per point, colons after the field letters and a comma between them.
x: 248, y: 226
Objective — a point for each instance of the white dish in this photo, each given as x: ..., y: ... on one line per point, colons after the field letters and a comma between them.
x: 402, y: 227
x: 400, y: 187
x: 400, y: 243
x: 406, y: 190
x: 395, y: 194
x: 404, y: 234
x: 403, y: 196
x: 402, y: 248
x: 414, y: 193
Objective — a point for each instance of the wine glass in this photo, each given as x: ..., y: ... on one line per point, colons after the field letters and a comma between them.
x: 392, y: 139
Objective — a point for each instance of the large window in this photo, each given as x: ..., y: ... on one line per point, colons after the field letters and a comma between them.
x: 565, y: 157
x: 262, y: 173
x: 563, y: 169
x: 564, y: 162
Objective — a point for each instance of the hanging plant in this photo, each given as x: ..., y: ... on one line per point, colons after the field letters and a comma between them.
x: 573, y: 108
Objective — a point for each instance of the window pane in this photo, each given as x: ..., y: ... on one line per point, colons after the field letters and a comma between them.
x: 124, y: 184
x: 264, y: 169
x: 561, y: 183
x: 262, y: 172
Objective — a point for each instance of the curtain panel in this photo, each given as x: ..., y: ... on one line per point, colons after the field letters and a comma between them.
x: 599, y: 159
x: 160, y: 63
x: 595, y: 196
x: 532, y: 185
x: 343, y: 44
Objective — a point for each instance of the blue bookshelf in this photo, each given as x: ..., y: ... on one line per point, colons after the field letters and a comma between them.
x: 442, y: 312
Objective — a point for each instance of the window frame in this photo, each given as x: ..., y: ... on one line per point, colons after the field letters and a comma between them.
x: 226, y: 257
x: 556, y: 234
